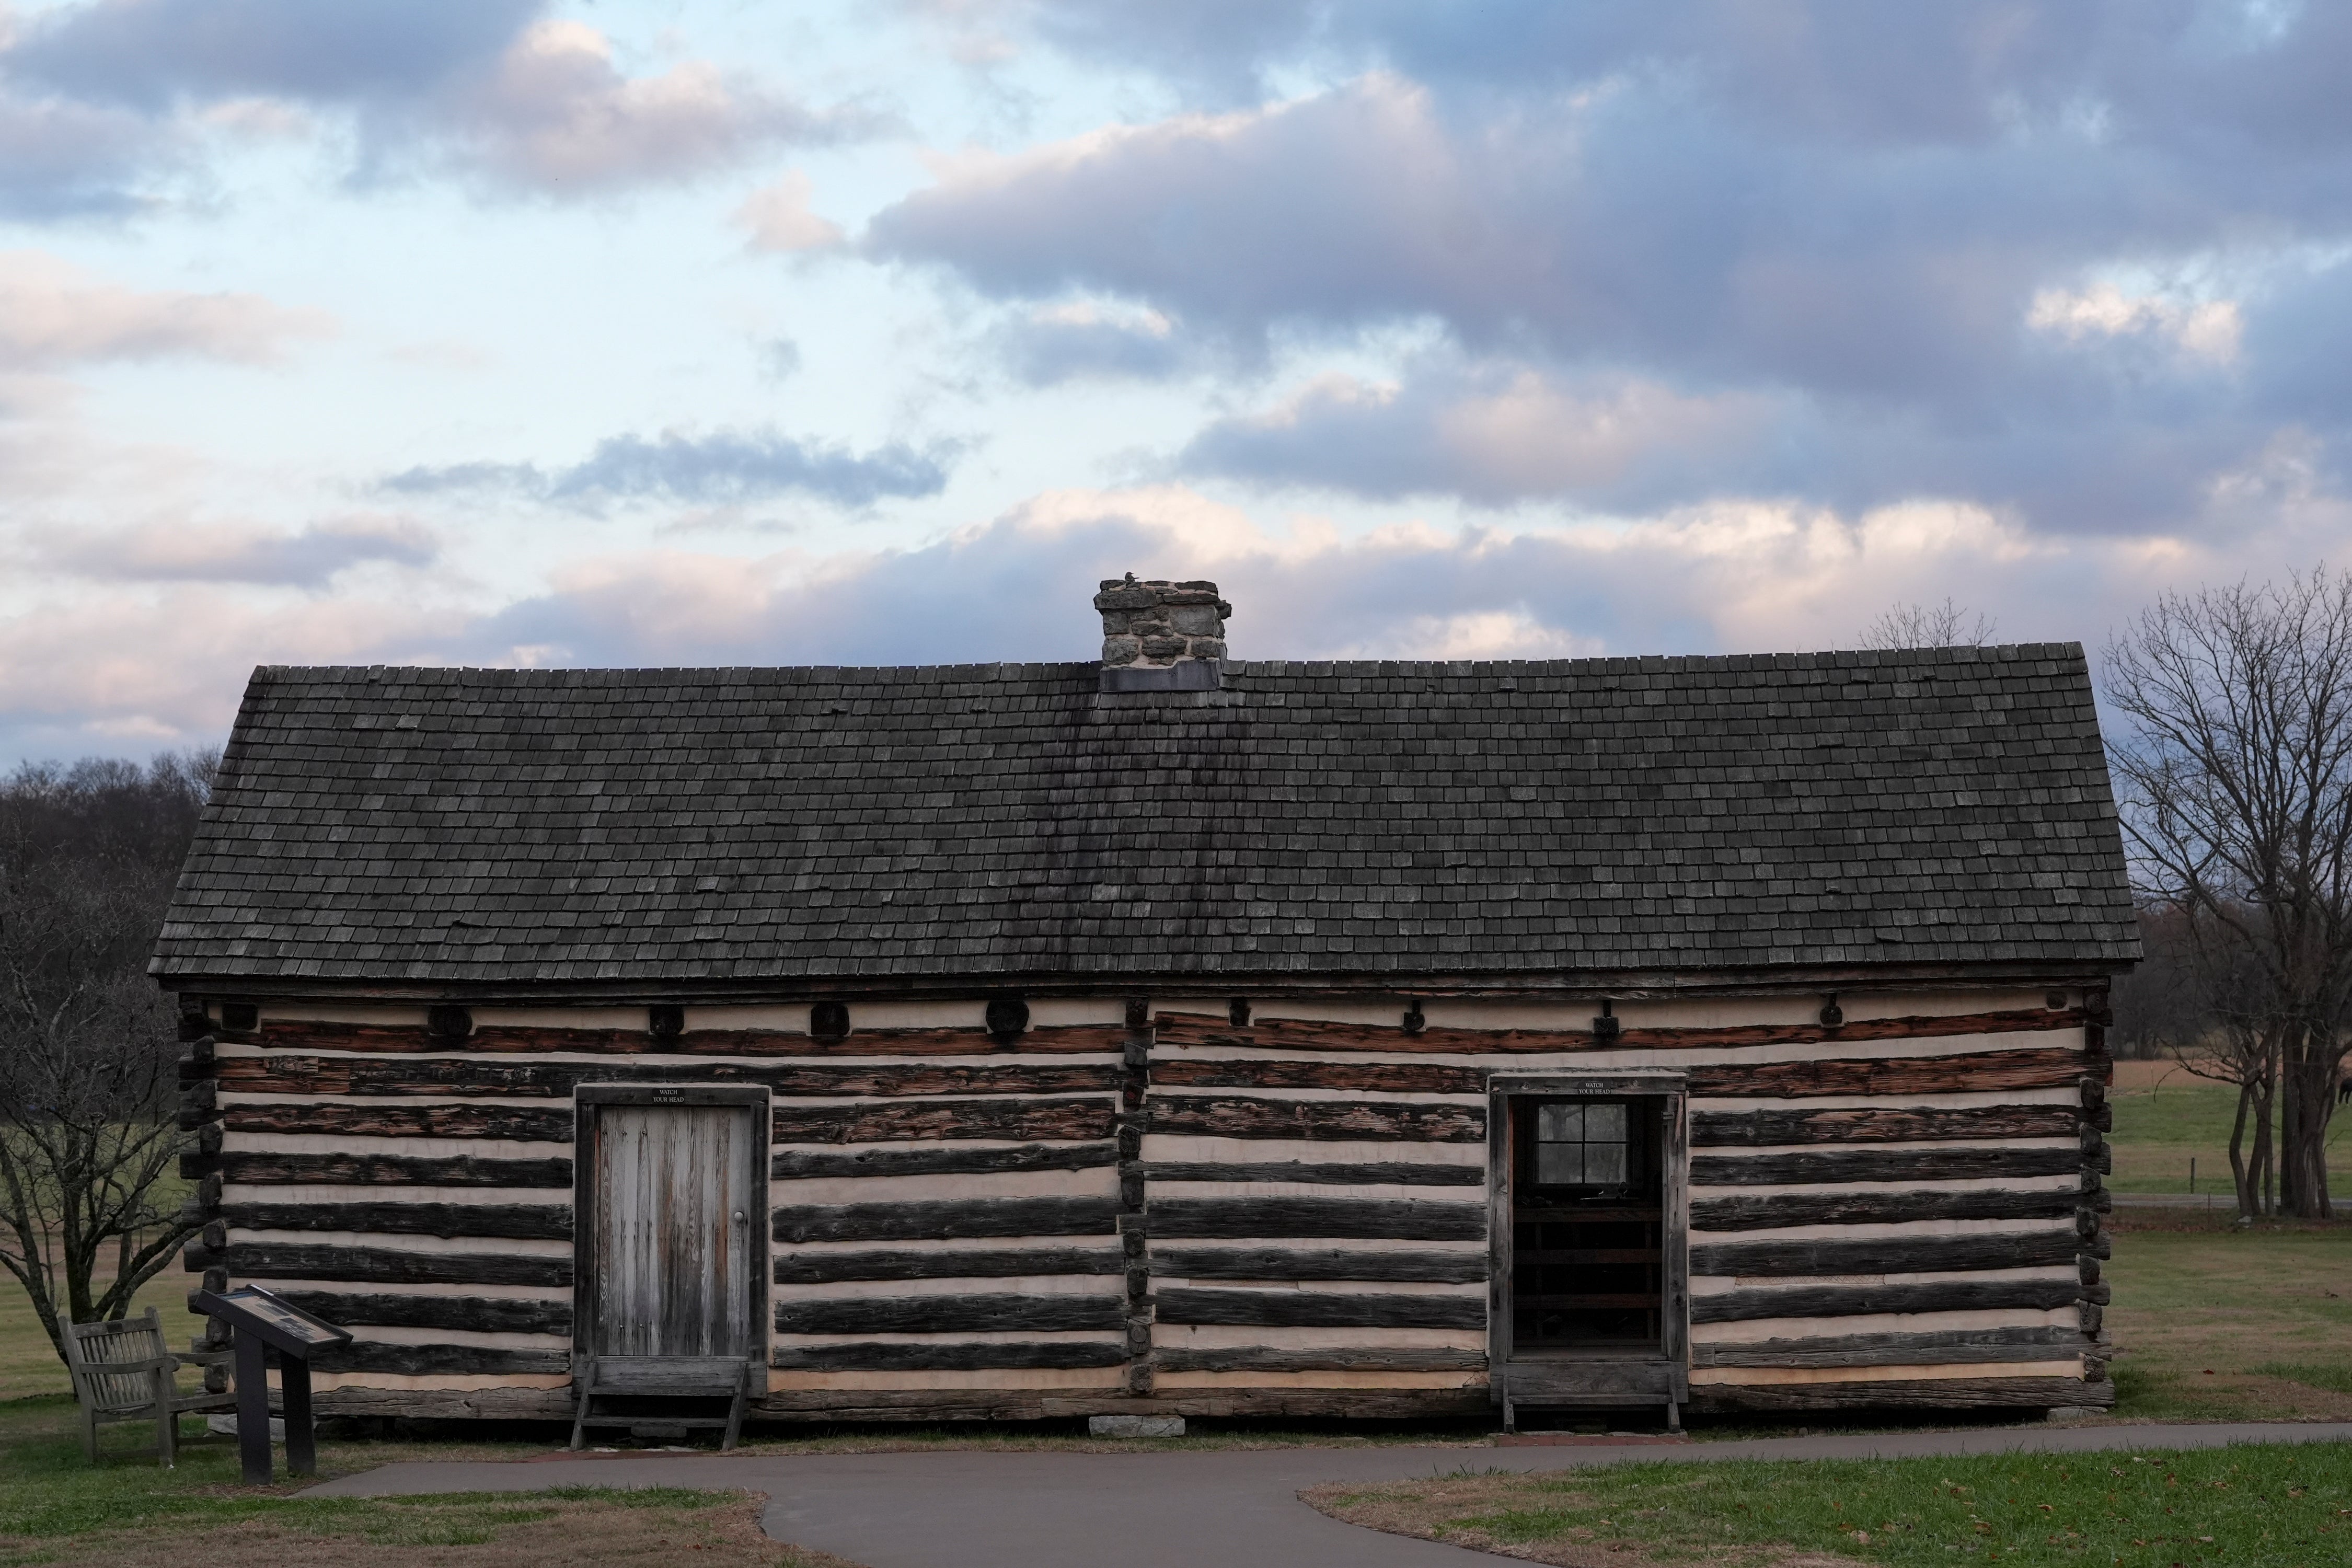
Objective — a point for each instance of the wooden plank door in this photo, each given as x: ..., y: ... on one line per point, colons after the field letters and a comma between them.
x: 677, y: 1227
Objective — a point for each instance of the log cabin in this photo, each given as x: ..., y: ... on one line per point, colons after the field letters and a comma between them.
x: 1170, y: 1034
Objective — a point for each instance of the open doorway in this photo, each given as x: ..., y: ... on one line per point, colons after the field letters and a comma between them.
x: 1588, y: 1222
x: 1589, y: 1301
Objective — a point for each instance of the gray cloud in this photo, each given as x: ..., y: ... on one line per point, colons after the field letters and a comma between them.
x: 60, y: 159
x: 1500, y: 434
x: 426, y: 479
x: 1639, y: 228
x: 1083, y: 341
x: 722, y: 468
x: 1831, y: 71
x: 98, y: 95
x: 154, y: 53
x: 555, y: 116
x: 2052, y: 257
x: 53, y: 314
x: 780, y: 358
x: 231, y: 552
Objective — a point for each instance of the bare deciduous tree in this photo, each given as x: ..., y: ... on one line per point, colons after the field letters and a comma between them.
x: 87, y: 1060
x: 1946, y: 625
x: 2235, y: 779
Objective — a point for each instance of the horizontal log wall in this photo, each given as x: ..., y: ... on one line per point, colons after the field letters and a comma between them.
x: 1982, y: 1216
x: 274, y: 1169
x: 1838, y: 1167
x: 339, y: 1162
x: 436, y: 1076
x: 1955, y: 1147
x: 798, y: 1266
x: 1359, y: 1252
x: 366, y: 1040
x: 1949, y: 1347
x: 949, y: 1314
x: 1242, y: 1116
x: 1828, y: 1302
x: 1714, y: 1129
x: 961, y: 1220
x: 791, y: 1164
x: 1296, y: 1199
x: 403, y: 1360
x: 1183, y: 1031
x: 543, y: 1222
x: 2020, y: 1393
x: 1782, y: 1210
x: 1302, y: 1263
x: 923, y: 1120
x: 465, y: 1313
x: 1365, y: 1173
x: 973, y: 1356
x: 267, y: 1261
x: 1333, y: 1358
x: 1310, y: 1309
x: 1347, y: 1218
x: 953, y: 1219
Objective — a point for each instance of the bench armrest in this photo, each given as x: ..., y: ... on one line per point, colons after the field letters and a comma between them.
x: 165, y: 1363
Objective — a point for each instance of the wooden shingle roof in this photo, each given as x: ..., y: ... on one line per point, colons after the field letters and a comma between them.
x: 1561, y: 822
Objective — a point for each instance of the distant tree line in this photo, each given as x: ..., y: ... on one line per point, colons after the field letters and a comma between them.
x: 89, y: 1136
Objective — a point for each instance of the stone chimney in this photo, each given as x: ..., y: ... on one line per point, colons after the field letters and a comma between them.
x: 1161, y: 637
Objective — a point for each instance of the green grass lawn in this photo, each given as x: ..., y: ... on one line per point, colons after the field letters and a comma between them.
x: 2280, y: 1506
x: 2217, y: 1324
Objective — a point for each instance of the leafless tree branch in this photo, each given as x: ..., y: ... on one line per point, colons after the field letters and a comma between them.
x: 1929, y: 626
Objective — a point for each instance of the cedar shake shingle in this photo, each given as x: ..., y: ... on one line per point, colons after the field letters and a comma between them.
x: 1596, y: 817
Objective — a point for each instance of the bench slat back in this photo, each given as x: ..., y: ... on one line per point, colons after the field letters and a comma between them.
x: 135, y: 1344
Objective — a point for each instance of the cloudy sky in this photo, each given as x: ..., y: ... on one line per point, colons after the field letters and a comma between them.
x: 500, y: 332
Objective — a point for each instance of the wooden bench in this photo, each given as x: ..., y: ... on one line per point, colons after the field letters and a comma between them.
x: 641, y: 1377
x: 123, y: 1372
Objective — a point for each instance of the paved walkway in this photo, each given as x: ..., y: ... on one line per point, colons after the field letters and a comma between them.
x: 962, y: 1508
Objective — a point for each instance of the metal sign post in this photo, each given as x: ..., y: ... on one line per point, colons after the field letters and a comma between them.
x: 262, y: 1323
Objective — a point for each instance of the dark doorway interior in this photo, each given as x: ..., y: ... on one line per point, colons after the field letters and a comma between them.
x: 1588, y: 1220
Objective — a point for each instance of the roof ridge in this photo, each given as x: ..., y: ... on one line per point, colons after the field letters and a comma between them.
x: 1046, y: 669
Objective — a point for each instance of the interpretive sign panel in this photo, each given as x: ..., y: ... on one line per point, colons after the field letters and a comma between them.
x: 262, y: 1323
